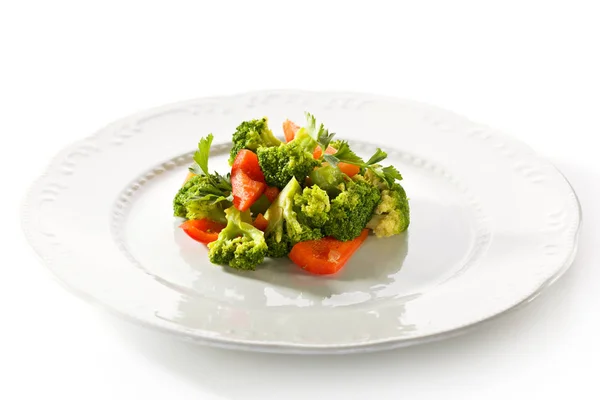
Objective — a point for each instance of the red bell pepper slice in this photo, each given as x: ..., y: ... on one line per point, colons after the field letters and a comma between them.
x: 247, y: 161
x: 326, y: 255
x: 272, y: 192
x: 247, y: 180
x: 202, y: 230
x: 260, y: 222
x: 289, y: 130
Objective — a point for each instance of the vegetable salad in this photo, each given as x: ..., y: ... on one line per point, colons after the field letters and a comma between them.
x: 309, y: 198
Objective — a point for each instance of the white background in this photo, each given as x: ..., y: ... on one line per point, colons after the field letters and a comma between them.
x: 67, y: 68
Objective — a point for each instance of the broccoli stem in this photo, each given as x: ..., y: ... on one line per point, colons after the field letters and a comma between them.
x: 282, y: 204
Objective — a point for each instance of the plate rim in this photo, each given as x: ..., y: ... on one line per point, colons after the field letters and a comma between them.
x: 274, y: 347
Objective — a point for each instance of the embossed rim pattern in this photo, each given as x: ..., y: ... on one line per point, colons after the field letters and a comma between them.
x: 50, y: 246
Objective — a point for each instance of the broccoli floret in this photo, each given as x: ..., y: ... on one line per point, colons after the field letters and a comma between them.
x: 392, y: 214
x: 312, y: 206
x: 284, y: 225
x: 286, y: 161
x: 278, y: 249
x: 352, y: 209
x: 200, y: 198
x: 240, y: 245
x: 294, y: 159
x: 252, y: 135
x: 198, y: 209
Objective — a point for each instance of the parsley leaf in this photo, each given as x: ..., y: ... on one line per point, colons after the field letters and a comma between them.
x: 220, y: 183
x: 345, y: 154
x: 201, y: 156
x: 379, y: 155
x: 389, y: 174
x: 392, y: 172
x: 321, y: 135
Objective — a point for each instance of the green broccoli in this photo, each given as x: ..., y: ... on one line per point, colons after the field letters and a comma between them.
x: 201, y: 198
x: 284, y: 226
x: 312, y: 206
x: 240, y: 245
x: 286, y: 161
x: 295, y: 158
x: 392, y: 214
x: 278, y: 249
x: 352, y: 209
x: 252, y: 135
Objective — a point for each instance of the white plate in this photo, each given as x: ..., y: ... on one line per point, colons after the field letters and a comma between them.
x: 492, y: 225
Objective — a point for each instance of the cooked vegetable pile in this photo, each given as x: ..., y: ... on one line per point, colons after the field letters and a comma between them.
x: 310, y: 198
